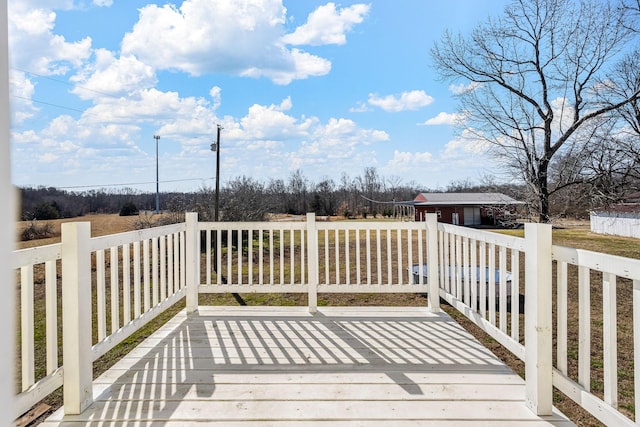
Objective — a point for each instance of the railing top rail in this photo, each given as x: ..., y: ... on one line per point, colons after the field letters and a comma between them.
x: 511, y: 242
x: 106, y: 242
x: 370, y: 225
x: 253, y: 225
x: 36, y: 255
x: 620, y: 266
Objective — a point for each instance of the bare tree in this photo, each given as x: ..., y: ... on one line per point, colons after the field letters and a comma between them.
x: 537, y: 77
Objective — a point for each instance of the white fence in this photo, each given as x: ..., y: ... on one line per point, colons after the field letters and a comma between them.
x: 135, y: 276
x: 145, y: 273
x: 616, y: 223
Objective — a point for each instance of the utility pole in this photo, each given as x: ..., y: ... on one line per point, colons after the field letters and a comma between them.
x: 157, y: 137
x: 216, y: 147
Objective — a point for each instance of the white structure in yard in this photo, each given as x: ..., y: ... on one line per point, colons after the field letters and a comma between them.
x: 619, y: 220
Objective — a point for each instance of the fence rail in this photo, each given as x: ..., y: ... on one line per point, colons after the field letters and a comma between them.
x: 516, y: 289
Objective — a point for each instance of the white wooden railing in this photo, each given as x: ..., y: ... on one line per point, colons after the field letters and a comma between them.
x: 129, y: 278
x: 135, y: 276
x: 546, y: 272
x: 313, y: 257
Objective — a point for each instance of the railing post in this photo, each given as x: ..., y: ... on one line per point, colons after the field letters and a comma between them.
x: 76, y: 317
x: 432, y: 262
x: 312, y: 259
x: 538, y: 319
x: 8, y: 311
x: 192, y: 261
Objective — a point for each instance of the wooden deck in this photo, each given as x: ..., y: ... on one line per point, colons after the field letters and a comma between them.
x: 267, y: 366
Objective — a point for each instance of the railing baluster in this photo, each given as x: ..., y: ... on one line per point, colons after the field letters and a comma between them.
x: 610, y: 338
x: 292, y: 252
x: 399, y: 247
x: 146, y: 273
x: 358, y: 255
x: 137, y: 306
x: 458, y: 252
x: 336, y: 236
x: 260, y: 256
x: 446, y: 266
x: 155, y: 276
x: 219, y: 256
x: 101, y: 296
x: 271, y: 264
x: 503, y: 289
x: 483, y: 280
x: 473, y: 266
x: 51, y: 315
x: 584, y: 328
x: 207, y: 252
x: 378, y: 256
x: 282, y: 243
x: 126, y: 282
x: 327, y: 261
x: 303, y: 264
x: 239, y: 256
x: 176, y: 262
x: 163, y: 268
x: 26, y: 326
x: 170, y: 262
x: 492, y: 283
x: 368, y: 254
x: 466, y: 266
x: 515, y: 295
x: 115, y: 292
x: 347, y: 255
x: 250, y: 256
x: 389, y: 260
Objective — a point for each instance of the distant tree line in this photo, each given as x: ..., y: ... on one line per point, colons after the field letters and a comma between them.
x: 247, y: 199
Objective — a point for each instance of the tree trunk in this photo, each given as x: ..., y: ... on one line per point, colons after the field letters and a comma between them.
x: 543, y: 191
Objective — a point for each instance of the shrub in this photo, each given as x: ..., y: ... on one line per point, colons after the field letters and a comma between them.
x: 37, y: 230
x: 46, y: 210
x: 129, y: 209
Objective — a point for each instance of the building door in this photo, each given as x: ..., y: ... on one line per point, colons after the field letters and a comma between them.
x: 455, y: 220
x: 472, y: 216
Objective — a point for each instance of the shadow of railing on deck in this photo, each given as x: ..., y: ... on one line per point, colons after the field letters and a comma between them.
x: 188, y: 363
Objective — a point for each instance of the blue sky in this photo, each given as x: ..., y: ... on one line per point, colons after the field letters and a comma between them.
x: 327, y: 88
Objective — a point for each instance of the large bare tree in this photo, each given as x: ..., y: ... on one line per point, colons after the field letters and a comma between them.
x: 537, y: 78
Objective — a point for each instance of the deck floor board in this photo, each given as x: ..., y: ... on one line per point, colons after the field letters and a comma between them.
x: 281, y: 366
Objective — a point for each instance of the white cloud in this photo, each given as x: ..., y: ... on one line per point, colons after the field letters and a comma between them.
x: 110, y: 76
x: 467, y: 146
x: 33, y: 44
x: 326, y: 25
x: 216, y: 95
x: 21, y: 89
x: 444, y: 119
x: 412, y: 100
x: 361, y: 107
x: 461, y: 88
x: 103, y: 3
x: 242, y: 37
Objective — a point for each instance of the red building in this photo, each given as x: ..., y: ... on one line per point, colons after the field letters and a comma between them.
x: 467, y: 208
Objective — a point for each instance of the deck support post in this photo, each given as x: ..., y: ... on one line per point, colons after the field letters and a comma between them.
x: 312, y: 259
x: 538, y: 319
x: 432, y: 263
x: 7, y: 237
x: 192, y: 261
x: 76, y: 317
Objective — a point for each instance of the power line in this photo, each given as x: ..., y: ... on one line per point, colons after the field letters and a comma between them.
x: 133, y: 183
x: 53, y: 105
x: 66, y: 83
